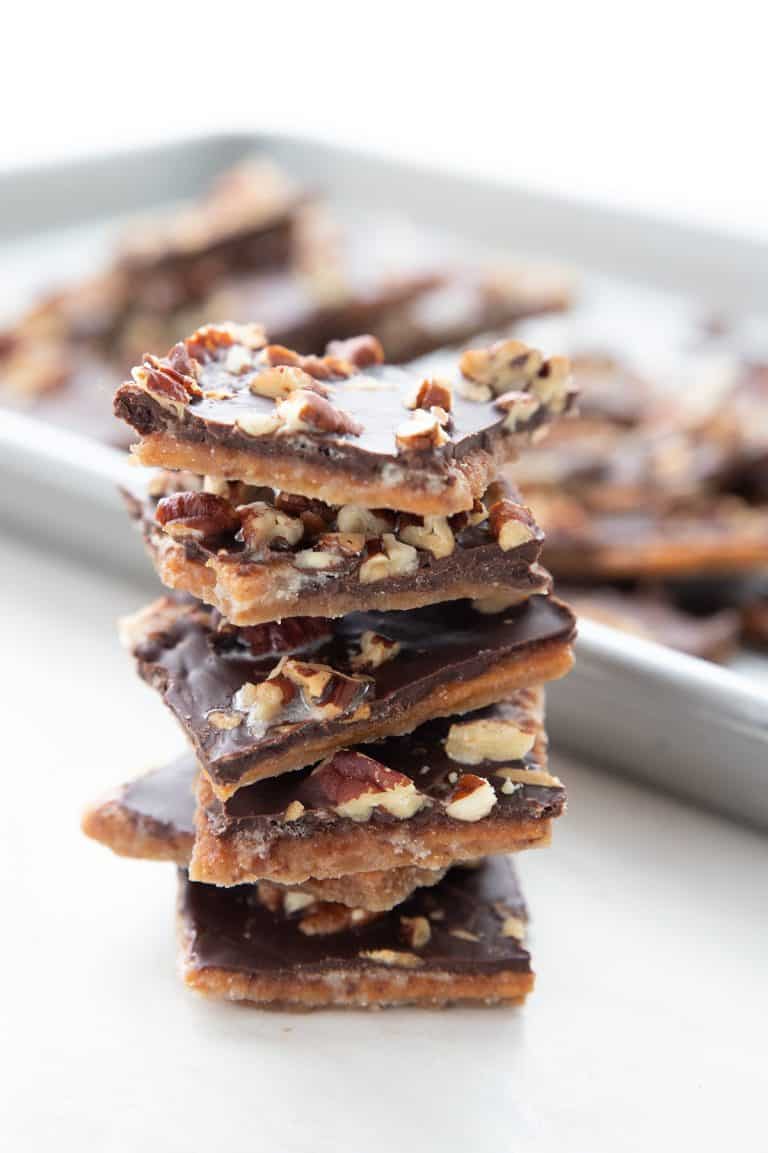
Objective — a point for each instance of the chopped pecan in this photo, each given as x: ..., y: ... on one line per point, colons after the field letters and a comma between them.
x: 375, y: 650
x: 520, y: 409
x: 265, y: 700
x: 472, y: 799
x: 355, y: 784
x: 280, y: 381
x: 503, y: 365
x: 394, y: 559
x: 168, y: 385
x: 196, y: 516
x: 512, y: 524
x: 212, y: 339
x: 434, y: 534
x: 262, y: 525
x: 432, y: 393
x: 326, y: 692
x: 371, y: 522
x: 393, y: 957
x: 416, y: 931
x: 472, y: 742
x: 324, y: 917
x: 290, y: 635
x: 306, y: 411
x: 347, y: 544
x: 423, y: 431
x: 361, y: 351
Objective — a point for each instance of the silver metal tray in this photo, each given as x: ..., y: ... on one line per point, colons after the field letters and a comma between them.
x: 631, y: 705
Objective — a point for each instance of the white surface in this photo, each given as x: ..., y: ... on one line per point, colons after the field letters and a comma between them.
x: 655, y: 105
x: 649, y: 940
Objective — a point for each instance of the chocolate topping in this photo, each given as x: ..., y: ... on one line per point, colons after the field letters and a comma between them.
x: 230, y: 929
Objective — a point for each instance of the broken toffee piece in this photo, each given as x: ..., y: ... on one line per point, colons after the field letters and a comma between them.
x: 261, y: 701
x: 460, y: 941
x: 342, y: 428
x: 453, y: 790
x: 714, y: 535
x: 654, y: 616
x: 152, y: 818
x: 259, y: 556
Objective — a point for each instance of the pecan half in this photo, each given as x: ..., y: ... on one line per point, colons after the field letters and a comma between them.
x: 196, y: 516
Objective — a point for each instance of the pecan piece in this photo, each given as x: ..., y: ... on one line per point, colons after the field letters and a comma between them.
x: 512, y: 524
x: 306, y: 411
x: 375, y: 650
x: 434, y: 534
x: 520, y: 409
x: 501, y: 366
x: 262, y: 525
x: 395, y: 559
x: 423, y: 431
x: 196, y: 516
x: 369, y: 521
x: 326, y: 692
x: 432, y: 393
x: 360, y: 351
x: 416, y: 931
x: 355, y: 784
x: 472, y: 799
x: 472, y: 742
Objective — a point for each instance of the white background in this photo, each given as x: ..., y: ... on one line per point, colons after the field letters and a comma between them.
x: 660, y: 105
x: 649, y: 939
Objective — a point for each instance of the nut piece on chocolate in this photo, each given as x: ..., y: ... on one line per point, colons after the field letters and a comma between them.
x: 446, y: 944
x: 153, y: 818
x: 257, y: 702
x: 257, y: 555
x: 343, y: 427
x: 405, y: 801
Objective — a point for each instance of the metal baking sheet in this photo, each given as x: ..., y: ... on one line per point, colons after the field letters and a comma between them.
x: 695, y: 729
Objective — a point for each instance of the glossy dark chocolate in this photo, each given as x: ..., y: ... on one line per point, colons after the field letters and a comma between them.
x: 230, y: 929
x: 165, y: 796
x: 199, y: 669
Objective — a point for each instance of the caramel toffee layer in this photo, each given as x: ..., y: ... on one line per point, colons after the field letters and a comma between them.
x: 257, y: 555
x: 453, y: 789
x: 343, y: 426
x: 256, y: 702
x: 152, y: 818
x: 461, y: 940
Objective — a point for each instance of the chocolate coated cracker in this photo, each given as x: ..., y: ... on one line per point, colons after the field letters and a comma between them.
x: 259, y: 556
x: 343, y: 428
x: 460, y: 941
x: 152, y: 818
x: 259, y: 702
x: 453, y: 790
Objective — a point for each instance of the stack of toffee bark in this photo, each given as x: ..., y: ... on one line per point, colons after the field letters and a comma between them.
x: 354, y: 647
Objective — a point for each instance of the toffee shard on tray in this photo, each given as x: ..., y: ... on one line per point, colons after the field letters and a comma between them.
x: 344, y: 427
x: 153, y: 818
x: 454, y: 790
x: 259, y: 556
x: 261, y: 701
x: 712, y: 535
x: 461, y: 941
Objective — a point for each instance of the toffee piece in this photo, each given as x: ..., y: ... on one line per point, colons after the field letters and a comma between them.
x: 343, y: 428
x: 259, y: 556
x: 261, y: 701
x: 461, y: 941
x: 453, y: 790
x: 152, y: 818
